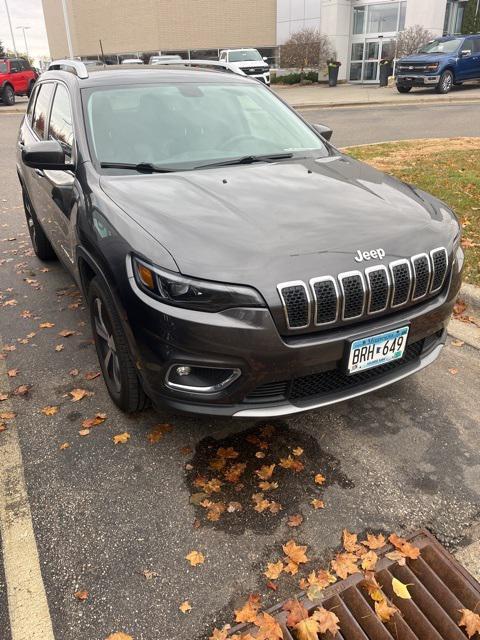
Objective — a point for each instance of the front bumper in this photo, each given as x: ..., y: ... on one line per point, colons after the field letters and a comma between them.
x: 415, y: 80
x: 279, y: 375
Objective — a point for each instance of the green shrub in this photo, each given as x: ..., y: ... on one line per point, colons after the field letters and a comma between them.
x: 295, y: 78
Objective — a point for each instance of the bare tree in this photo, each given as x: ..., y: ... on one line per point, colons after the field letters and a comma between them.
x: 307, y: 48
x: 412, y: 39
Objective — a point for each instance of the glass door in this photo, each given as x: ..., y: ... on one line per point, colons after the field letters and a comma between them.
x: 366, y: 56
x: 371, y: 60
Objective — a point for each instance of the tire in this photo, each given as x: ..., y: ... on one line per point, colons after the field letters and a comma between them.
x: 402, y: 89
x: 40, y: 243
x: 30, y: 88
x: 446, y: 82
x: 119, y: 373
x: 8, y: 96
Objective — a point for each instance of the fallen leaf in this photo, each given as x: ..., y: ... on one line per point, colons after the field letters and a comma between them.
x: 291, y: 568
x: 297, y: 451
x: 3, y: 396
x: 91, y: 375
x: 268, y: 629
x: 93, y: 422
x: 185, y: 451
x: 235, y: 472
x: 369, y: 561
x: 292, y: 464
x: 397, y: 556
x: 406, y: 548
x: 3, y: 427
x: 453, y: 371
x: 400, y: 589
x: 350, y: 541
x: 317, y: 504
x: 219, y: 634
x: 249, y: 611
x: 344, y: 565
x: 307, y: 629
x: 268, y: 486
x: 7, y: 415
x: 471, y: 622
x: 459, y: 308
x: 271, y: 585
x: 265, y: 472
x: 119, y: 635
x: 374, y: 542
x: 316, y: 582
x: 59, y: 347
x: 79, y: 394
x: 295, y: 552
x: 84, y: 432
x: 50, y: 410
x: 73, y: 372
x: 195, y: 557
x: 46, y: 325
x: 148, y: 574
x: 157, y: 433
x: 384, y: 610
x: 260, y: 455
x: 296, y: 612
x: 295, y: 520
x: 63, y: 446
x: 319, y: 478
x: 374, y: 590
x: 66, y: 333
x: 81, y: 595
x: 228, y: 453
x: 232, y: 507
x: 185, y: 607
x: 121, y: 438
x: 273, y: 570
x: 22, y: 390
x: 457, y: 343
x: 12, y: 373
x: 209, y: 486
x: 215, y: 509
x: 327, y: 621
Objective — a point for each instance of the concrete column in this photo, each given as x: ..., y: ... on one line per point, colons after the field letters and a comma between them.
x: 335, y: 22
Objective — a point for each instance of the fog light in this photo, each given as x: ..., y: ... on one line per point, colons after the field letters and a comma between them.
x: 195, y: 379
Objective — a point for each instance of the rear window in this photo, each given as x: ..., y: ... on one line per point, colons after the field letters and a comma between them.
x: 41, y: 108
x: 3, y: 67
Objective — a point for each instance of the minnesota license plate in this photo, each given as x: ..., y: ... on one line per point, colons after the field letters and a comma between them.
x: 374, y: 351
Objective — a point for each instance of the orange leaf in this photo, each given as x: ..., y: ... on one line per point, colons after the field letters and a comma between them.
x: 157, y: 433
x: 93, y: 422
x: 265, y: 472
x: 374, y: 542
x: 119, y: 635
x: 81, y: 595
x: 296, y: 612
x: 345, y: 564
x: 121, y: 438
x: 249, y: 611
x: 273, y: 570
x: 319, y: 478
x: 369, y: 561
x: 384, y: 610
x: 12, y: 373
x: 350, y: 541
x: 471, y: 622
x: 195, y: 557
x: 49, y: 410
x: 408, y: 549
x: 91, y: 375
x: 290, y: 463
x: 63, y: 446
x: 295, y: 520
x: 7, y: 415
x: 327, y: 621
x: 268, y: 486
x: 228, y: 452
x: 46, y: 325
x: 66, y: 333
x: 79, y: 394
x: 185, y: 607
x: 295, y: 552
x: 268, y: 629
x: 297, y: 451
x: 317, y: 504
x: 307, y: 629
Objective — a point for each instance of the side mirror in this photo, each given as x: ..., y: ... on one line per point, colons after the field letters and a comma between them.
x: 265, y: 58
x: 47, y: 154
x: 465, y: 53
x: 324, y: 131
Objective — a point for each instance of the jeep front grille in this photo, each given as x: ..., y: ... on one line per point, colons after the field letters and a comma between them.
x: 355, y: 294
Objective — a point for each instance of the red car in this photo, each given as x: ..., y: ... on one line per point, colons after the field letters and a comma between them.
x: 16, y: 79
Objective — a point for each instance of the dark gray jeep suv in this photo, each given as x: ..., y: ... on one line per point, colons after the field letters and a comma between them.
x: 233, y: 261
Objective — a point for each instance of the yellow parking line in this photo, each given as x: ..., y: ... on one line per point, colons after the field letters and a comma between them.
x: 27, y: 602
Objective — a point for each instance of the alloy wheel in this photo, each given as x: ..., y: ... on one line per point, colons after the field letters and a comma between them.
x: 447, y: 82
x: 109, y: 357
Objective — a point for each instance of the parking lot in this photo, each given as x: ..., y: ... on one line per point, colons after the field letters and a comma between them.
x: 117, y: 520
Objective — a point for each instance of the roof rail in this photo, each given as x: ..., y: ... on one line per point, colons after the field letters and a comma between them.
x: 192, y: 63
x: 76, y: 67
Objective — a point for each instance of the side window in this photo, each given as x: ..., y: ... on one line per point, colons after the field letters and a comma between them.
x: 40, y: 111
x: 468, y: 46
x: 223, y: 56
x: 61, y: 127
x: 24, y: 65
x: 31, y: 104
x: 15, y: 66
x: 476, y: 45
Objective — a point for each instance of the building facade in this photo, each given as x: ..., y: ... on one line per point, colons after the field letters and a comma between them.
x: 362, y: 32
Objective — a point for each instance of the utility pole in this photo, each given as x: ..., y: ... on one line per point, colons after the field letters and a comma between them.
x: 11, y: 30
x: 67, y: 28
x: 25, y: 38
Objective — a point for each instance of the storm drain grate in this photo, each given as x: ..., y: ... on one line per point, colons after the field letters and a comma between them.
x: 439, y: 587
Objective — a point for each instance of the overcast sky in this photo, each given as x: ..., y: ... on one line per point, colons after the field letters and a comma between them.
x: 27, y: 13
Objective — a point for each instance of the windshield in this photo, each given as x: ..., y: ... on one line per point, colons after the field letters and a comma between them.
x: 3, y: 67
x: 442, y: 46
x: 241, y: 56
x: 187, y: 125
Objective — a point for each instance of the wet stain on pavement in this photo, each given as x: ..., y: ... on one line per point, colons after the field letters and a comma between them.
x: 234, y: 487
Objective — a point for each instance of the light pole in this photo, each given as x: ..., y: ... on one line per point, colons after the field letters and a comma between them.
x: 10, y: 25
x: 25, y: 38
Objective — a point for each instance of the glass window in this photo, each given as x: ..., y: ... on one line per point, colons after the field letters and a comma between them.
x: 15, y: 65
x: 31, y: 104
x: 457, y: 27
x: 61, y: 126
x: 24, y: 65
x: 357, y: 51
x: 382, y: 18
x: 186, y: 125
x: 355, y: 71
x: 442, y: 46
x: 476, y: 45
x: 41, y: 108
x: 359, y: 20
x: 245, y: 55
x: 3, y: 67
x: 403, y: 13
x: 448, y: 13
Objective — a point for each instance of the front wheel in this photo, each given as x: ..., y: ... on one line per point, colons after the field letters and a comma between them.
x: 446, y: 82
x: 119, y: 373
x: 402, y: 89
x: 8, y: 96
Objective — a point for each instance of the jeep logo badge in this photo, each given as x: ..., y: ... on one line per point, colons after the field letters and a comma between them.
x: 375, y: 254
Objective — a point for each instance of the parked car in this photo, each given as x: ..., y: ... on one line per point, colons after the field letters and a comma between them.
x: 159, y: 59
x: 442, y: 63
x: 17, y: 78
x: 132, y: 61
x: 247, y: 62
x: 233, y: 261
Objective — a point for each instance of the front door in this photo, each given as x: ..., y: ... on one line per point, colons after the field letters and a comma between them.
x: 366, y: 56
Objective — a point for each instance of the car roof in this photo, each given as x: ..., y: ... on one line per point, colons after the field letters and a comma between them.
x: 146, y: 74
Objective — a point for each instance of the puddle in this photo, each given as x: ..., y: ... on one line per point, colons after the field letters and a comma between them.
x: 229, y: 495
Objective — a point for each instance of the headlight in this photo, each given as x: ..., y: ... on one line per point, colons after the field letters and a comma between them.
x: 180, y: 291
x: 431, y: 67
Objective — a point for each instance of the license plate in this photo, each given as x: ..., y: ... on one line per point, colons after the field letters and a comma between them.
x: 374, y: 351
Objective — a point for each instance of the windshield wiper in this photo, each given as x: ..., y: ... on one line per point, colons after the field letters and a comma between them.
x: 141, y: 167
x: 247, y: 160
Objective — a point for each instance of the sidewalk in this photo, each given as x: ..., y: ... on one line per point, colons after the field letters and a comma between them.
x: 311, y: 96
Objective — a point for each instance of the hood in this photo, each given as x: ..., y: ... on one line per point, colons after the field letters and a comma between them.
x: 424, y: 58
x: 254, y: 64
x: 262, y: 224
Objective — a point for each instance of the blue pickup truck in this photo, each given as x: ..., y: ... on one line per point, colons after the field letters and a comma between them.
x: 441, y: 63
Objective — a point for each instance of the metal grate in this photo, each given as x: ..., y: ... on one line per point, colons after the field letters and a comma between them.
x: 379, y: 288
x: 401, y: 282
x: 439, y: 263
x: 296, y: 303
x: 325, y: 294
x: 421, y: 276
x: 353, y: 291
x: 439, y: 587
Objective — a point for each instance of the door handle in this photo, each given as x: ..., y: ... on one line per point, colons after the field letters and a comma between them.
x: 40, y: 173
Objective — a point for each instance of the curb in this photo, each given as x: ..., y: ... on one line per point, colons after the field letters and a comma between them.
x: 470, y: 294
x: 305, y: 106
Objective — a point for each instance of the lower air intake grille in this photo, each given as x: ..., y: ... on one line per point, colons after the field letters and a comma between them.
x: 439, y: 590
x: 353, y: 295
x: 295, y: 299
x: 401, y: 282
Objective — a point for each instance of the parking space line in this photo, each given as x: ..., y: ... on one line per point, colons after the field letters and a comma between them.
x: 27, y: 601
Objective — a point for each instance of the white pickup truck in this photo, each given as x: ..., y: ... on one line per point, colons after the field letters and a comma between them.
x: 247, y: 62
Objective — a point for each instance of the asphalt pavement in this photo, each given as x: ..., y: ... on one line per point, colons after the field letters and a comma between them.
x: 117, y: 520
